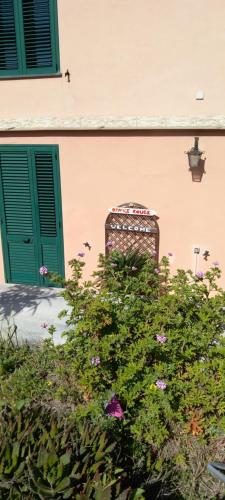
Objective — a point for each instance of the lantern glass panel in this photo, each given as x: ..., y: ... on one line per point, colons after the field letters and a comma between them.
x: 194, y: 159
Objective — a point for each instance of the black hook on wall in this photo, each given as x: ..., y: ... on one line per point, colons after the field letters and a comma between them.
x: 206, y: 254
x: 67, y: 74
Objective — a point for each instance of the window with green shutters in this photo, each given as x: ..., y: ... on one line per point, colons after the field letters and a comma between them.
x: 31, y: 215
x: 28, y: 38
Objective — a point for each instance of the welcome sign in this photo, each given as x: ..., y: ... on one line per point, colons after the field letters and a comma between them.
x: 126, y: 227
x: 132, y: 227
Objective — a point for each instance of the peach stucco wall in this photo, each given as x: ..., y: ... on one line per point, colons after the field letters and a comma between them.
x: 99, y: 170
x: 129, y: 57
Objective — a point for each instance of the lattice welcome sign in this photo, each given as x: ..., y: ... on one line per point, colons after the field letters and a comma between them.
x: 132, y: 227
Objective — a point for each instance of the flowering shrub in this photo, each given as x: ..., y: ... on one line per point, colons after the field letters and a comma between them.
x: 154, y: 342
x: 144, y: 358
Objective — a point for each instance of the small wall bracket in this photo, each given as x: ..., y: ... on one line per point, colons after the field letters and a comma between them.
x: 67, y: 74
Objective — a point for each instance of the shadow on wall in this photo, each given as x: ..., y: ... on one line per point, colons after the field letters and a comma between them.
x: 17, y: 298
x: 197, y: 172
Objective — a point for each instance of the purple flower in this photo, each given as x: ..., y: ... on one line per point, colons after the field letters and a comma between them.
x: 153, y: 253
x: 157, y: 271
x: 109, y: 244
x: 95, y: 361
x: 200, y: 275
x: 161, y: 338
x: 44, y: 325
x: 81, y: 254
x: 43, y: 270
x: 170, y: 254
x: 114, y: 409
x: 161, y: 385
x: 216, y: 263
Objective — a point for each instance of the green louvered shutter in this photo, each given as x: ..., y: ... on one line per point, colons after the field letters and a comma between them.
x: 9, y: 63
x: 28, y: 38
x: 31, y: 218
x: 39, y: 36
x: 18, y: 224
x: 49, y: 209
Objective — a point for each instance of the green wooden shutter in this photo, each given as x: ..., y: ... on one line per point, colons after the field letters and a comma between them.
x: 31, y: 217
x: 39, y: 36
x: 49, y: 208
x: 28, y: 37
x: 9, y: 63
x: 18, y: 224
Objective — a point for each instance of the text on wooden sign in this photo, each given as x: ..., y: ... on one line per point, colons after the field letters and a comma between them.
x: 126, y: 227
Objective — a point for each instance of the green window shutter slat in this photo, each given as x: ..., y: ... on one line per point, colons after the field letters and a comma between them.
x: 16, y: 194
x: 8, y: 45
x: 22, y: 260
x: 37, y: 33
x: 46, y: 194
x: 51, y: 257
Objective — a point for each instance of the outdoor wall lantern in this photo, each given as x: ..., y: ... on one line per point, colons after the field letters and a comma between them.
x: 194, y: 155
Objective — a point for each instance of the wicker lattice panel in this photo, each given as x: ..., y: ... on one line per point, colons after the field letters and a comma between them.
x: 132, y: 239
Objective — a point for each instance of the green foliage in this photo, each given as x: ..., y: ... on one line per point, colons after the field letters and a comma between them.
x: 43, y: 456
x: 29, y: 379
x: 39, y: 373
x: 119, y: 267
x: 157, y: 343
x: 12, y: 355
x: 159, y: 339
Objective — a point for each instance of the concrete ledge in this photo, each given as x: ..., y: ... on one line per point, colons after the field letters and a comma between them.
x: 80, y: 123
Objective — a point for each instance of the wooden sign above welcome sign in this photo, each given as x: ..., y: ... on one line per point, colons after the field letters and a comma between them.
x: 132, y: 211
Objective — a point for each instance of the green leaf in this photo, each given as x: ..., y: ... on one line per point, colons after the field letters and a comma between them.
x: 20, y: 404
x: 69, y: 493
x: 65, y: 483
x: 52, y: 458
x: 65, y: 459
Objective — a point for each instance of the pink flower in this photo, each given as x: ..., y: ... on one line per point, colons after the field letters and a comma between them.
x: 153, y: 253
x: 134, y: 268
x: 161, y: 385
x: 114, y: 409
x: 81, y: 254
x: 43, y: 270
x: 109, y: 244
x: 157, y: 271
x: 200, y: 275
x: 113, y: 264
x: 44, y: 325
x: 161, y: 338
x: 216, y: 263
x: 95, y: 361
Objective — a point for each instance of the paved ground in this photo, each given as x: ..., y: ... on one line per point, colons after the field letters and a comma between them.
x: 29, y: 307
